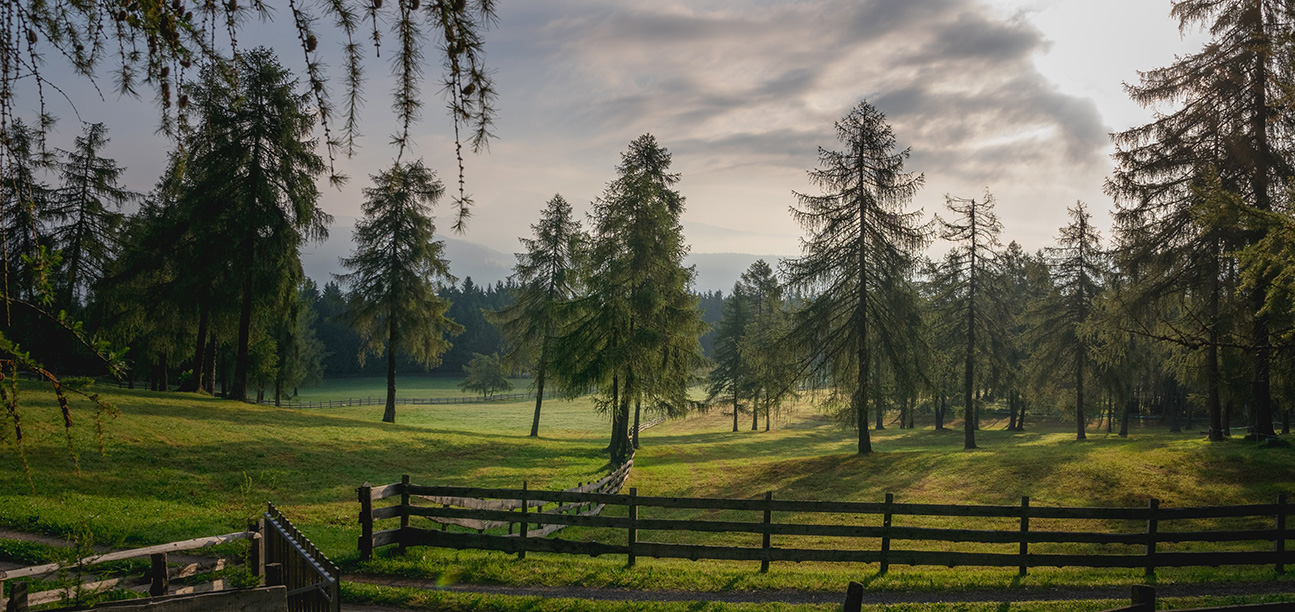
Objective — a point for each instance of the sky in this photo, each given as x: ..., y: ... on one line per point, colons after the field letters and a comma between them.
x: 1013, y: 97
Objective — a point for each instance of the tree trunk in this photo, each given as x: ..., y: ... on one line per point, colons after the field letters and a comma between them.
x: 767, y: 409
x: 539, y: 389
x: 210, y: 379
x: 1124, y: 418
x: 1011, y: 411
x: 200, y: 352
x: 1080, y: 422
x: 1261, y: 389
x: 1110, y: 413
x: 877, y: 404
x: 389, y: 413
x: 735, y: 407
x: 755, y: 411
x: 638, y: 409
x: 1020, y: 416
x: 615, y: 411
x: 941, y: 407
x: 622, y: 434
x: 1227, y: 417
x: 239, y: 391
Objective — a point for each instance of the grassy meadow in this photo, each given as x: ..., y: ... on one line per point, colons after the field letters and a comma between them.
x: 180, y: 465
x: 411, y: 387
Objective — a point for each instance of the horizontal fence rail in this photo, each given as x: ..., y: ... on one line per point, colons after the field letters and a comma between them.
x: 480, y: 513
x: 875, y: 521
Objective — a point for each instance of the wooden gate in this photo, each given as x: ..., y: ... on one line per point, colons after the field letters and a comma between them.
x: 313, y: 582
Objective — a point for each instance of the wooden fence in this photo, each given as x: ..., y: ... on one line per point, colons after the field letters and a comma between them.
x: 521, y: 506
x: 857, y: 521
x: 279, y: 554
x: 291, y: 559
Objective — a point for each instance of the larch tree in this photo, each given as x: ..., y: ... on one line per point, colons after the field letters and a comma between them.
x: 773, y: 371
x: 1228, y: 116
x: 861, y: 239
x: 25, y: 200
x: 731, y: 374
x: 975, y: 267
x: 395, y: 271
x: 637, y: 332
x: 252, y: 184
x: 86, y: 214
x: 546, y: 277
x: 1078, y: 267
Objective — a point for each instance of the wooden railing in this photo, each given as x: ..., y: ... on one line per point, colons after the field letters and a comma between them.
x: 156, y: 582
x: 520, y: 511
x: 875, y: 522
x: 291, y: 559
x: 280, y: 555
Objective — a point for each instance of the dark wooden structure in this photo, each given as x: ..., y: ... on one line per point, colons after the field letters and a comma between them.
x: 1213, y: 530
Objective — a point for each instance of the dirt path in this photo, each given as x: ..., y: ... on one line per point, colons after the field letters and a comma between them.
x: 821, y: 597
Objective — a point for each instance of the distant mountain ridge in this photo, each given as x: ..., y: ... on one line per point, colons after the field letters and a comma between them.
x: 715, y: 271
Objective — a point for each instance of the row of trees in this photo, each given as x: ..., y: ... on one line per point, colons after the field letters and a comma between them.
x: 1190, y: 304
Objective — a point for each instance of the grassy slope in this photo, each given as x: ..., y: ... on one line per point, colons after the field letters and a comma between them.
x: 180, y: 466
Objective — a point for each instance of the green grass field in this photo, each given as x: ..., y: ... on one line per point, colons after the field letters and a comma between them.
x: 413, y: 387
x: 180, y: 466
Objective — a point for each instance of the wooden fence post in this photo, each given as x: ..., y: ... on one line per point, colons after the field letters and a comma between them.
x: 633, y: 525
x: 255, y: 552
x: 17, y: 598
x: 404, y: 513
x: 768, y: 520
x: 366, y: 525
x: 159, y: 582
x: 273, y: 574
x: 885, y: 534
x: 1025, y: 529
x: 1145, y: 597
x: 1152, y: 524
x: 521, y: 554
x: 1280, y: 543
x: 853, y: 597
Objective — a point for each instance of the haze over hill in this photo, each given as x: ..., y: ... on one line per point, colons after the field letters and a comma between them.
x: 715, y: 271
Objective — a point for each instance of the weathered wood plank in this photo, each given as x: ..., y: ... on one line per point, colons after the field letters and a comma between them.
x: 37, y: 570
x: 263, y: 599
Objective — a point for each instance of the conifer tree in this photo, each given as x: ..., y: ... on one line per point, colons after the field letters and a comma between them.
x: 251, y: 184
x: 86, y: 215
x: 974, y: 265
x: 546, y: 278
x: 637, y: 329
x: 773, y: 371
x: 861, y: 238
x: 1227, y: 97
x: 485, y: 374
x: 731, y: 373
x: 395, y: 271
x: 1078, y: 268
x: 25, y: 201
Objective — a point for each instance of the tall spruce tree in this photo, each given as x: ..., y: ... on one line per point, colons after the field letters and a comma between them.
x: 1227, y: 99
x: 546, y: 281
x: 86, y: 217
x: 1078, y: 268
x: 395, y: 271
x: 638, y: 327
x: 974, y: 265
x: 251, y: 184
x: 861, y: 239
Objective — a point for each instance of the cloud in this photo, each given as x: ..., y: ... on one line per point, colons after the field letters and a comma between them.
x: 747, y: 83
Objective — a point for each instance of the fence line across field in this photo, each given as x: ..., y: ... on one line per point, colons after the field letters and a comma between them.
x: 1023, y: 533
x: 514, y: 511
